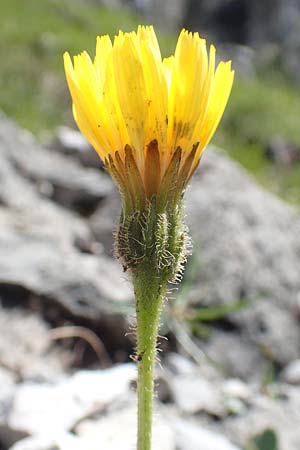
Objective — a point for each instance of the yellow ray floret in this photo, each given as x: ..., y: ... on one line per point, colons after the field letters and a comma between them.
x: 144, y: 113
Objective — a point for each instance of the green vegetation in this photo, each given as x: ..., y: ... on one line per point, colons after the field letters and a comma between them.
x: 267, y: 440
x: 200, y: 320
x: 34, y: 34
x: 261, y: 108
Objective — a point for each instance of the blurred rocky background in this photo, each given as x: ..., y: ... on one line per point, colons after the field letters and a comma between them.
x: 230, y: 373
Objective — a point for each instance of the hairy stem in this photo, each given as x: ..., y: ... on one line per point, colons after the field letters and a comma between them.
x: 149, y: 292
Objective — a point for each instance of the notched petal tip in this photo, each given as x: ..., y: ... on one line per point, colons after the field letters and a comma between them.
x: 67, y: 61
x: 66, y: 55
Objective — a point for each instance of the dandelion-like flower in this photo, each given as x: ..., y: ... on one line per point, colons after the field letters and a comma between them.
x: 149, y: 119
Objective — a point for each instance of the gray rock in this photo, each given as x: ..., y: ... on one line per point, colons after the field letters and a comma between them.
x: 257, y: 24
x: 273, y: 328
x: 48, y: 253
x: 218, y: 20
x: 82, y: 284
x: 7, y: 390
x: 202, y: 389
x: 51, y: 261
x: 237, y: 356
x: 105, y: 219
x: 71, y: 142
x: 243, y: 57
x: 57, y: 176
x: 276, y: 23
x: 26, y: 351
x: 168, y: 14
x: 246, y: 252
x: 281, y: 151
x: 279, y: 415
x: 31, y: 210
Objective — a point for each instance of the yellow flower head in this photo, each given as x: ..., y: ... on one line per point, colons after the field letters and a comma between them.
x: 148, y: 118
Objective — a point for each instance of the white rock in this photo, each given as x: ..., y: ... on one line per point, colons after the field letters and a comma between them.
x: 118, y: 431
x: 179, y: 364
x: 193, y: 394
x: 103, y: 385
x: 45, y: 408
x: 64, y: 441
x: 194, y: 437
x: 71, y: 142
x: 236, y: 388
x: 291, y: 374
x: 7, y: 386
x: 72, y: 139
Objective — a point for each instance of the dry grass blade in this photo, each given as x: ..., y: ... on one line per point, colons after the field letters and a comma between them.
x: 83, y: 333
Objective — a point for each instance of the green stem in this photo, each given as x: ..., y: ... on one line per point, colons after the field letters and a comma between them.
x: 149, y: 293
